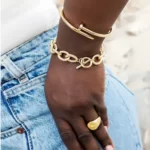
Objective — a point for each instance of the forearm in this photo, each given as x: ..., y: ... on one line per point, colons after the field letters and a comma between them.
x: 97, y: 15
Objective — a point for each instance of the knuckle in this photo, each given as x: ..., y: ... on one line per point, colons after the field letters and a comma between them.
x: 67, y: 136
x: 86, y: 103
x: 84, y: 137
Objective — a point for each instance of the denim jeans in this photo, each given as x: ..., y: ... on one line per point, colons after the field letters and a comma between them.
x: 27, y: 122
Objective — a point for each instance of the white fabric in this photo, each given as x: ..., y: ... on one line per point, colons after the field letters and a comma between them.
x: 24, y: 19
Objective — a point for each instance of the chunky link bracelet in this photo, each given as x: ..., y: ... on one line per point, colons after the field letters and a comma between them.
x: 84, y: 62
x: 83, y: 30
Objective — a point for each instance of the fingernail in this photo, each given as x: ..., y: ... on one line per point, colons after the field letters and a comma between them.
x: 109, y: 147
x: 106, y: 128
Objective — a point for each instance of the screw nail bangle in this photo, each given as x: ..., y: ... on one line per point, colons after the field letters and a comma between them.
x: 83, y: 30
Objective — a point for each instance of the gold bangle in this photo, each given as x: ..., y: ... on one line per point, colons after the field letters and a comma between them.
x: 83, y: 30
x: 84, y: 62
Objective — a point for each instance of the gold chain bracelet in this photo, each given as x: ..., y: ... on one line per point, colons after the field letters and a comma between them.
x: 83, y: 30
x: 84, y: 62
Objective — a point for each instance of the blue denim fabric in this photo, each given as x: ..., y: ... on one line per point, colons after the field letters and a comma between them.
x: 27, y: 123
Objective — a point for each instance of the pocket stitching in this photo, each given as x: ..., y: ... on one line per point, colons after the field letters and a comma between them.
x: 25, y: 86
x: 9, y: 132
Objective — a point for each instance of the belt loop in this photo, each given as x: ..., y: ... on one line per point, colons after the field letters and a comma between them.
x: 14, y: 70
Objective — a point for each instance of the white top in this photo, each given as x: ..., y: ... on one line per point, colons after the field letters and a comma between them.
x: 21, y: 20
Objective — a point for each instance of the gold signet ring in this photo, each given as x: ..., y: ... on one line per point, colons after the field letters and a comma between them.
x: 93, y: 125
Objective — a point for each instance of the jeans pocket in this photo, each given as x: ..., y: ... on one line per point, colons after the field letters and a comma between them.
x: 27, y: 100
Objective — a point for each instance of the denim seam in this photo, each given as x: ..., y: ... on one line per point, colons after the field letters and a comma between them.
x: 132, y: 124
x: 24, y: 86
x: 14, y: 114
x: 32, y: 65
x: 9, y: 132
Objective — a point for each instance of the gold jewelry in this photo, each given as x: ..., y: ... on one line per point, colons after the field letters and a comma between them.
x: 87, y: 32
x: 85, y: 62
x: 93, y: 125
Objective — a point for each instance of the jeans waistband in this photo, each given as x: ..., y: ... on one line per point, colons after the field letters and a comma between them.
x: 16, y: 63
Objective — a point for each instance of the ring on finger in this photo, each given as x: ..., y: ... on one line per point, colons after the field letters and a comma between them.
x: 93, y: 125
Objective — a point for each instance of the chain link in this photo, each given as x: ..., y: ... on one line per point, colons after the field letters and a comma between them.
x: 85, y: 62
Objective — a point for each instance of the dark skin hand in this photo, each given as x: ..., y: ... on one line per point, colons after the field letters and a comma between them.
x: 73, y: 105
x: 76, y: 97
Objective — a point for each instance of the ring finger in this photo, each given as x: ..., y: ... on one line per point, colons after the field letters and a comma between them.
x: 100, y: 133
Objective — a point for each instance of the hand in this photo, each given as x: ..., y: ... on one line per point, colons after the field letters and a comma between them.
x: 76, y: 97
